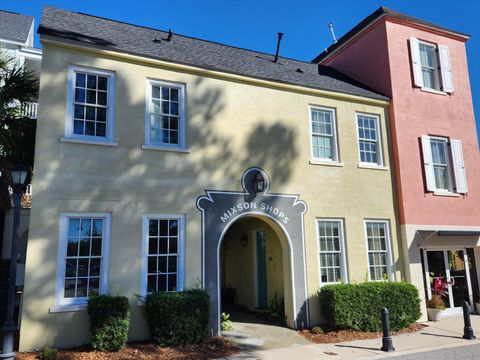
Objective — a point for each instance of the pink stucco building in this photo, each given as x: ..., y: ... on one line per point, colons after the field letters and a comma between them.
x: 422, y: 67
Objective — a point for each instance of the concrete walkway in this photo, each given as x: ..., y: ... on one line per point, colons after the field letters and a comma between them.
x: 270, y: 342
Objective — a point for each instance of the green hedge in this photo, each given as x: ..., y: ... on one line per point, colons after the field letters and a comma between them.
x: 357, y: 306
x: 178, y: 318
x: 109, y: 322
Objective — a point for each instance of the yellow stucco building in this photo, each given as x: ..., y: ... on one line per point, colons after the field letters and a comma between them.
x: 165, y: 162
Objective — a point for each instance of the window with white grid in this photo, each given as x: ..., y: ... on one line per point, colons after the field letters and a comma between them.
x: 324, y: 142
x: 90, y: 97
x: 378, y: 243
x: 83, y: 257
x: 164, y: 253
x: 165, y: 123
x: 369, y: 139
x: 331, y: 256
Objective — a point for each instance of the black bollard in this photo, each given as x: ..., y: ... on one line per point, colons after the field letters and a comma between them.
x: 467, y: 329
x: 387, y: 344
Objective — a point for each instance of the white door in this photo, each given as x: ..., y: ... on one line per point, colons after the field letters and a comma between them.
x: 450, y: 265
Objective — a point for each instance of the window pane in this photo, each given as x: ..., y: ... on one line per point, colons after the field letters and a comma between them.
x: 102, y: 83
x: 80, y: 80
x: 153, y: 246
x: 162, y: 264
x: 72, y: 246
x: 91, y: 96
x: 153, y: 227
x: 152, y: 264
x: 163, y: 227
x: 174, y: 94
x: 163, y: 245
x: 102, y: 98
x: 71, y: 268
x: 69, y: 291
x: 165, y: 93
x: 85, y: 247
x: 151, y: 283
x: 155, y: 92
x: 95, y: 267
x: 80, y: 95
x: 91, y: 81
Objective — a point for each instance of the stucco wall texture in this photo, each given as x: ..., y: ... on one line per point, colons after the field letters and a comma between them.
x: 231, y: 126
x: 380, y: 57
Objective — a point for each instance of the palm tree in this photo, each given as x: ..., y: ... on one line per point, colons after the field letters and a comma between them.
x: 18, y: 87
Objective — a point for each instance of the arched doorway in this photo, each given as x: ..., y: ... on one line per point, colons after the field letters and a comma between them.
x: 255, y: 271
x: 282, y: 212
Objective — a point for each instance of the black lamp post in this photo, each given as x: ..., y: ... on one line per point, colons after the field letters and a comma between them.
x: 19, y: 176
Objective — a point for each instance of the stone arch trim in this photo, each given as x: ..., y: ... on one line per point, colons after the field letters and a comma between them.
x: 220, y: 209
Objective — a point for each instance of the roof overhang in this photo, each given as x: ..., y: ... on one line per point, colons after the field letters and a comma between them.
x: 457, y: 233
x: 101, y: 50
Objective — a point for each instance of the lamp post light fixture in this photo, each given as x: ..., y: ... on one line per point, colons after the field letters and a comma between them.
x: 258, y: 182
x: 19, y: 176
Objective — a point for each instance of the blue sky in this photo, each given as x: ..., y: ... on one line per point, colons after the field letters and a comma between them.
x: 253, y: 24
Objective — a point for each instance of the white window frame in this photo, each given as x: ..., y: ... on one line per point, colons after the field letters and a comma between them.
x: 449, y: 163
x: 110, y: 125
x: 182, y: 131
x: 378, y: 129
x: 180, y: 249
x: 61, y: 301
x: 335, y: 153
x: 343, y: 250
x: 436, y: 70
x: 389, y: 253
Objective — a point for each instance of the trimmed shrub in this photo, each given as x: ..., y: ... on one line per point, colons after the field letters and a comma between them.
x: 109, y: 322
x: 317, y: 330
x: 48, y: 353
x: 357, y: 306
x: 178, y: 318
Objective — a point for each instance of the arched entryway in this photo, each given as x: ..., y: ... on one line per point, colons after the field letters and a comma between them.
x: 255, y: 271
x: 283, y: 213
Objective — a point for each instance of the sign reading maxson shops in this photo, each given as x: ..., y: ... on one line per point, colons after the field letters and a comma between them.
x: 220, y: 209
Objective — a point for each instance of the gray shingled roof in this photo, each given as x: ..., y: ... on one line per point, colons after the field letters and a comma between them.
x: 14, y: 27
x: 138, y: 40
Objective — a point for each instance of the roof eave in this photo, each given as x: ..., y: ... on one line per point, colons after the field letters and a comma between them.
x: 45, y: 37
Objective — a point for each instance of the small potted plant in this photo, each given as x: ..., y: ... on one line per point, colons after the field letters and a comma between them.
x: 435, y: 304
x: 435, y: 307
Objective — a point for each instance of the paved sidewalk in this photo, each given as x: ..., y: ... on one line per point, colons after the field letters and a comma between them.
x: 261, y: 345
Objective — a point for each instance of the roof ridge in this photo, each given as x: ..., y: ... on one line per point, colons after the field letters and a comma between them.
x: 178, y: 34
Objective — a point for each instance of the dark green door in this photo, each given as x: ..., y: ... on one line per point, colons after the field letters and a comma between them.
x: 261, y: 271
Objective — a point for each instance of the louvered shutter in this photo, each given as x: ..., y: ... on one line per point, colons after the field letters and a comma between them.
x: 458, y: 167
x: 416, y: 62
x: 428, y: 163
x: 445, y: 68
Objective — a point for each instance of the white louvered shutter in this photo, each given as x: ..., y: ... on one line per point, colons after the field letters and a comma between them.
x: 428, y: 163
x: 445, y: 68
x: 459, y: 167
x: 416, y: 62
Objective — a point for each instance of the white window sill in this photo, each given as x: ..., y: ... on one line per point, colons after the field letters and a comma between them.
x: 166, y: 148
x: 325, y: 162
x: 433, y: 91
x: 373, y: 167
x: 445, y: 193
x: 67, y: 308
x: 88, y: 142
